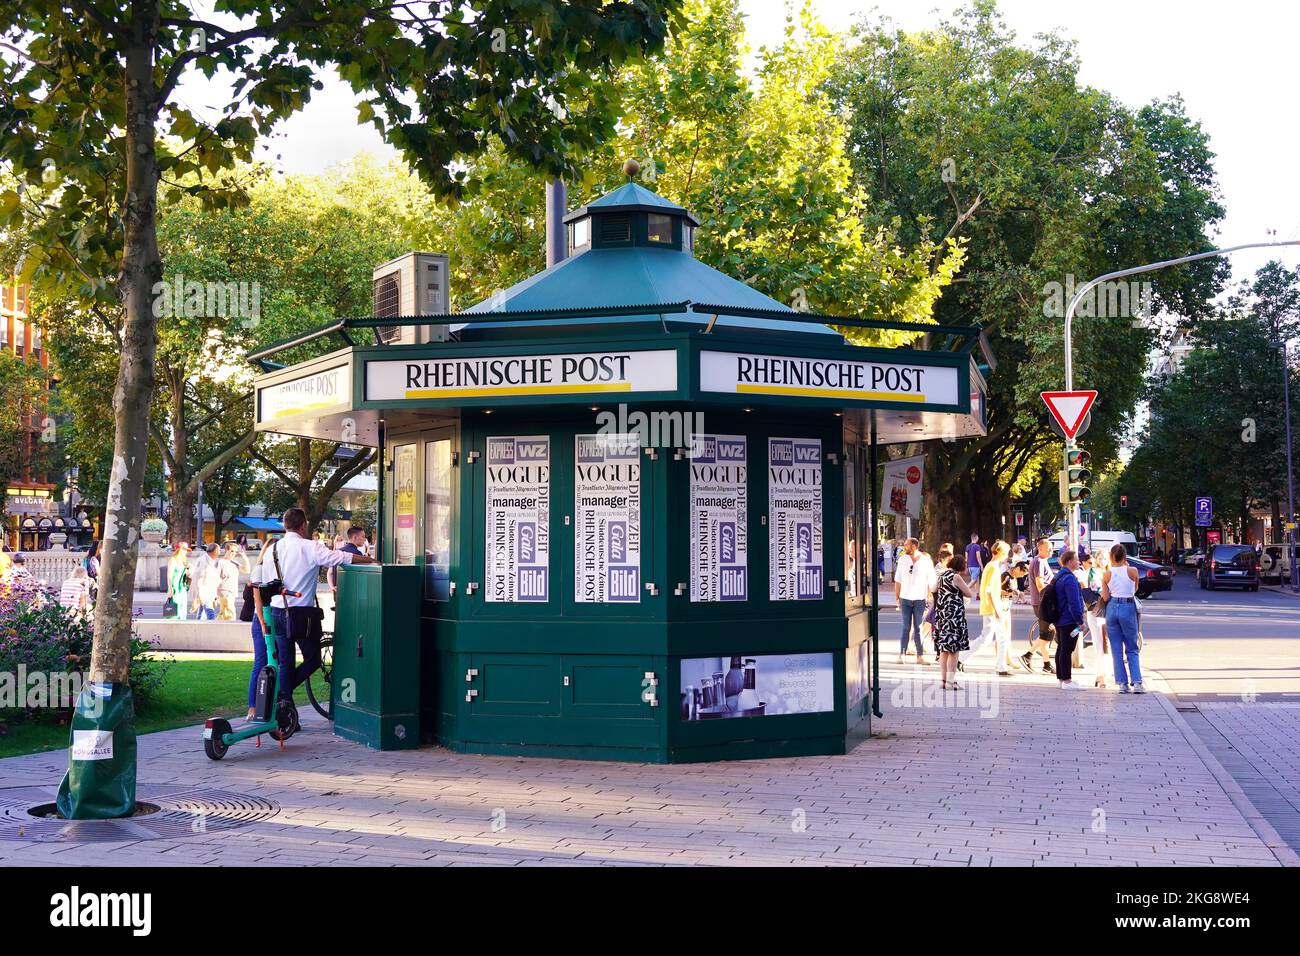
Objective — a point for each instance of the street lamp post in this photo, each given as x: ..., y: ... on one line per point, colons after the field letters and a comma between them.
x: 1290, y: 480
x: 1072, y: 531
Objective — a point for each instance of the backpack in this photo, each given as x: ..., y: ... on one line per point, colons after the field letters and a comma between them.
x: 1049, y: 608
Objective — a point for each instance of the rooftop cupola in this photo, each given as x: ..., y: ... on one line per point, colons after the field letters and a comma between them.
x: 631, y: 216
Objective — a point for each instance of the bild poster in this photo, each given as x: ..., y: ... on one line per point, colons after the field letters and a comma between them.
x: 607, y: 529
x: 518, y: 518
x: 770, y: 685
x: 795, y: 519
x: 719, y: 534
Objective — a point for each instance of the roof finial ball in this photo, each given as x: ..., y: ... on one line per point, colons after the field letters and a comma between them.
x: 630, y: 168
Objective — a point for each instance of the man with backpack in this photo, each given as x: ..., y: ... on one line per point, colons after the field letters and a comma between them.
x: 1063, y: 600
x: 1040, y: 576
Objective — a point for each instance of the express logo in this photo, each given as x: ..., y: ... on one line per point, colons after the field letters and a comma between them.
x: 781, y: 452
x: 704, y: 450
x: 501, y: 451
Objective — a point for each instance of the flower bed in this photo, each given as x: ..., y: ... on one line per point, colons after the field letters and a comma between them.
x: 43, y: 641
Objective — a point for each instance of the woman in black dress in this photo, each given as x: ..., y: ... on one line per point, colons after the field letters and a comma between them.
x: 951, y: 636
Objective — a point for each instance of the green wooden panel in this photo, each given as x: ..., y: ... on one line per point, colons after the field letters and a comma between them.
x: 607, y: 687
x: 527, y: 685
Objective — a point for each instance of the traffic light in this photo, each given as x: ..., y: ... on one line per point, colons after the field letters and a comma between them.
x: 1123, y: 501
x: 1078, y: 472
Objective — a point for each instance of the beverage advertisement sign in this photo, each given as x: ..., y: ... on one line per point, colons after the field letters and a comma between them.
x: 795, y: 519
x: 404, y: 502
x: 719, y: 532
x: 607, y: 526
x: 771, y: 685
x: 518, y: 518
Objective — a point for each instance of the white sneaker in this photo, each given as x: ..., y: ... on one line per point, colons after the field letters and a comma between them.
x: 1138, y: 688
x: 1123, y: 688
x: 902, y: 659
x: 1071, y: 685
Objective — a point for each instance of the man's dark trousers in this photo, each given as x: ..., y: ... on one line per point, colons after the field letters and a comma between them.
x: 293, y: 626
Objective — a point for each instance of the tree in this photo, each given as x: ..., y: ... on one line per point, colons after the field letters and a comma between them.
x: 307, y: 474
x: 91, y: 93
x: 971, y: 134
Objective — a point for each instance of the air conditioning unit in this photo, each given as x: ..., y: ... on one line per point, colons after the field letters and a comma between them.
x: 411, y: 285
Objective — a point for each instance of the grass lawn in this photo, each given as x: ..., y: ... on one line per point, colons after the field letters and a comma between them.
x: 193, y: 691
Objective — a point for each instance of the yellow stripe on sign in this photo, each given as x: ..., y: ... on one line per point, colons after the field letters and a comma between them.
x: 827, y: 393
x: 286, y: 412
x: 516, y: 390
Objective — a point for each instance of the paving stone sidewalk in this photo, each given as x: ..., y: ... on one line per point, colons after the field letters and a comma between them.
x: 1008, y: 771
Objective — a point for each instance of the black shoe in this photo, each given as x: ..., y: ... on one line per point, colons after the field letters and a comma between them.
x: 1026, y: 661
x: 1047, y: 667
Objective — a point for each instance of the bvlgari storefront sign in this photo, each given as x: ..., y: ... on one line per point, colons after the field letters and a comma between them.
x: 839, y: 379
x: 310, y: 393
x: 491, y: 376
x: 29, y: 504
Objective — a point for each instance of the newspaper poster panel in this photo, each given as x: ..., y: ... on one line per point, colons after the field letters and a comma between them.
x: 719, y: 532
x: 607, y: 523
x: 795, y: 535
x: 518, y: 518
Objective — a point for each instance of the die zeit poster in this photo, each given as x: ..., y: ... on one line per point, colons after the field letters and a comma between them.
x: 719, y: 533
x: 795, y: 542
x: 518, y: 518
x: 607, y: 529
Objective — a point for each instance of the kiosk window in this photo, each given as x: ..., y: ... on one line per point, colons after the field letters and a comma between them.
x: 437, y: 519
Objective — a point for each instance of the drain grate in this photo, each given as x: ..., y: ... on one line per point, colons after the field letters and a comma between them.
x: 172, y: 813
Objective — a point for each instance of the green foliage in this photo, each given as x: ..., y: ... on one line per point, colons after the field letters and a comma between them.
x: 969, y: 132
x: 1217, y: 424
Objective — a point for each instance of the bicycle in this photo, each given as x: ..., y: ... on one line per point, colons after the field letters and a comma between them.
x: 324, y: 702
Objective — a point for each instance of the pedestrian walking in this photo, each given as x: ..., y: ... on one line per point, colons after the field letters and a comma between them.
x: 227, y: 571
x: 993, y: 611
x: 1119, y: 593
x: 1069, y: 618
x: 91, y: 564
x: 974, y: 564
x: 1093, y: 569
x: 207, y: 579
x: 178, y: 581
x: 1040, y: 576
x: 951, y: 632
x: 913, y: 581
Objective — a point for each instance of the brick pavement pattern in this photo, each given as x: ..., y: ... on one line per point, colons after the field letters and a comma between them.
x: 1011, y: 771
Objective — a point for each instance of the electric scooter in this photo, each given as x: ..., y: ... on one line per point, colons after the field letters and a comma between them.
x: 277, y: 718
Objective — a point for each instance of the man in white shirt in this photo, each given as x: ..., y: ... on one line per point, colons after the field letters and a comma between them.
x: 295, y: 561
x: 914, y: 578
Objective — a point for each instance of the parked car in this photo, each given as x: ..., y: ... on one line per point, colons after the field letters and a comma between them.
x: 1275, y: 563
x: 1234, y: 565
x: 1192, y: 558
x: 1152, y: 577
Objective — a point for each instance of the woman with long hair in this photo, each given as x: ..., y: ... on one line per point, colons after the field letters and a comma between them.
x: 178, y: 579
x: 1119, y: 591
x: 1101, y: 661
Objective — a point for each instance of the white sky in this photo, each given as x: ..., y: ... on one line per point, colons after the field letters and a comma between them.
x: 1234, y: 64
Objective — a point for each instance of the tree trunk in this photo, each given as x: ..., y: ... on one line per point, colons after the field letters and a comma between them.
x: 133, y: 393
x: 183, y: 501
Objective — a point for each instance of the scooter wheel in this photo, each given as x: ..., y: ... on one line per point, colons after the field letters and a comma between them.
x: 214, y: 746
x: 287, y: 718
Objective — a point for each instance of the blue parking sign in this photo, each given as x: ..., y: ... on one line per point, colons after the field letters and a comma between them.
x: 1204, y: 512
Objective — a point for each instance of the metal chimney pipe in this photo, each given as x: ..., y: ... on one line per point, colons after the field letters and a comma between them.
x: 557, y: 240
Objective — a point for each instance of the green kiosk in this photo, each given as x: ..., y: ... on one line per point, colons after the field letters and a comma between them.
x: 626, y: 505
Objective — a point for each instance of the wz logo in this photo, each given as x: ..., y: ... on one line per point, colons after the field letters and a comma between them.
x: 76, y: 909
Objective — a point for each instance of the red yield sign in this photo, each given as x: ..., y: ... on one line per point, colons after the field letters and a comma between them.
x: 1069, y: 409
